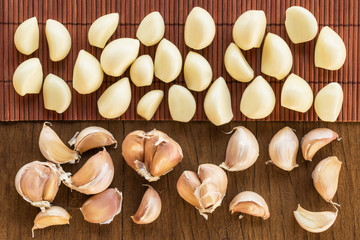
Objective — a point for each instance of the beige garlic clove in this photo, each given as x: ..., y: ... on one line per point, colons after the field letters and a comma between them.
x: 102, y: 29
x: 328, y: 102
x: 102, y: 207
x: 151, y: 29
x: 149, y: 103
x: 217, y: 103
x: 236, y: 64
x: 149, y: 209
x: 28, y: 77
x: 50, y: 217
x: 56, y: 93
x: 250, y: 203
x: 133, y: 148
x: 197, y: 72
x: 58, y: 39
x: 182, y: 104
x: 186, y: 186
x: 142, y: 71
x: 26, y: 37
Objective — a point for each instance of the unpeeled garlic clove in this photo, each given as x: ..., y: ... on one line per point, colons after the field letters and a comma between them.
x: 186, y: 186
x: 58, y: 39
x: 56, y: 93
x: 26, y: 37
x: 28, y: 77
x: 142, y: 71
x: 149, y: 103
x: 182, y: 104
x: 50, y: 217
x: 151, y: 29
x: 149, y: 209
x: 250, y: 203
x: 328, y: 102
x: 197, y: 72
x: 133, y: 148
x: 102, y: 28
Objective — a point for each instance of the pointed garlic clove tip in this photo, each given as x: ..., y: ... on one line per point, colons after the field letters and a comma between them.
x: 56, y: 93
x: 151, y: 29
x: 26, y: 37
x: 186, y: 186
x: 328, y: 102
x: 236, y: 64
x: 250, y: 203
x: 142, y: 71
x: 133, y: 148
x: 28, y: 77
x: 50, y: 217
x: 102, y: 29
x: 149, y: 103
x: 58, y: 39
x: 197, y: 72
x: 149, y: 209
x: 182, y: 104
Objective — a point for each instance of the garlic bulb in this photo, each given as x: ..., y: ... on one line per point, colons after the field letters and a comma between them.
x: 56, y: 93
x: 50, y: 217
x: 250, y: 203
x: 28, y: 77
x: 149, y: 103
x: 182, y: 104
x: 58, y: 39
x: 197, y: 72
x: 149, y: 209
x: 151, y: 29
x: 142, y: 71
x: 26, y: 37
x: 236, y: 64
x: 328, y: 102
x: 102, y: 28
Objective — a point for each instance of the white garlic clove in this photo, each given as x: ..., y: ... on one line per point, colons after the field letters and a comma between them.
x: 199, y: 29
x: 328, y: 102
x: 236, y: 64
x: 115, y: 100
x: 133, y: 148
x: 250, y: 203
x: 58, y: 39
x: 197, y: 72
x: 50, y: 217
x: 26, y: 37
x: 149, y: 103
x: 142, y: 71
x: 56, y: 93
x: 330, y: 50
x: 168, y: 61
x: 182, y: 104
x: 28, y: 77
x: 276, y: 59
x: 151, y: 29
x: 118, y: 55
x: 217, y: 103
x: 186, y: 186
x: 149, y: 209
x: 102, y: 29
x: 258, y: 99
x: 249, y: 29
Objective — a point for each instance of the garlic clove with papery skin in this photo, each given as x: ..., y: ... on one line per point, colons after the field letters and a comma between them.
x: 186, y: 186
x: 328, y: 102
x: 50, y: 217
x: 102, y: 28
x: 133, y: 148
x: 142, y: 71
x: 58, y: 39
x: 26, y: 37
x: 56, y: 93
x: 197, y: 72
x: 28, y: 77
x: 149, y: 103
x: 151, y: 29
x: 250, y: 203
x: 182, y: 104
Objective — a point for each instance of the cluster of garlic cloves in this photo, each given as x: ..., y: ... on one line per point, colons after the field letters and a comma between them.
x: 149, y: 209
x: 250, y: 203
x: 51, y: 216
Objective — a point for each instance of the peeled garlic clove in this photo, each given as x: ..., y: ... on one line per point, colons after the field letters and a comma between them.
x: 182, y: 104
x: 250, y: 203
x: 328, y: 102
x: 186, y: 186
x: 115, y: 100
x: 276, y: 59
x: 151, y: 29
x: 217, y: 103
x: 258, y: 99
x: 315, y: 222
x: 102, y: 28
x: 149, y: 103
x: 56, y: 93
x: 26, y: 37
x: 149, y: 209
x: 236, y: 64
x: 330, y: 50
x: 197, y: 72
x: 296, y: 94
x: 168, y: 61
x: 28, y: 77
x: 133, y: 148
x: 249, y: 29
x: 50, y: 217
x: 103, y: 207
x: 142, y: 71
x: 118, y: 55
x: 58, y: 39
x: 300, y: 24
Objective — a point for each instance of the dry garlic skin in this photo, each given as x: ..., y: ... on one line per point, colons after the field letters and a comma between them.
x: 149, y: 103
x: 199, y: 29
x: 249, y: 29
x: 151, y: 29
x: 28, y: 77
x: 258, y: 99
x: 58, y: 39
x: 330, y: 50
x: 276, y: 59
x: 26, y: 37
x: 236, y: 64
x: 142, y: 71
x: 300, y: 24
x: 182, y: 104
x: 328, y: 102
x: 102, y: 28
x: 296, y: 94
x: 57, y: 94
x: 197, y: 72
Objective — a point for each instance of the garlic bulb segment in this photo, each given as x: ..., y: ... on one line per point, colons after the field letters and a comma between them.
x: 88, y: 75
x: 197, y: 72
x: 56, y: 93
x: 168, y: 61
x: 242, y: 150
x: 301, y: 25
x: 28, y: 77
x: 276, y: 59
x: 296, y: 94
x: 142, y: 71
x: 149, y: 103
x: 133, y: 148
x: 249, y: 29
x: 53, y: 149
x: 250, y: 203
x: 102, y: 207
x: 258, y: 99
x: 186, y: 186
x: 182, y: 104
x: 330, y: 50
x: 315, y: 222
x: 151, y: 29
x: 115, y: 100
x: 217, y: 103
x: 328, y: 102
x: 26, y: 37
x: 102, y: 29
x: 149, y: 209
x: 236, y: 64
x: 58, y: 39
x: 50, y: 217
x: 118, y: 55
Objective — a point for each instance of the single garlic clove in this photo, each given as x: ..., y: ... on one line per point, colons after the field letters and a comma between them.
x: 217, y: 103
x: 315, y: 222
x: 242, y: 150
x: 26, y: 37
x: 118, y: 55
x: 50, y: 217
x: 249, y: 29
x: 276, y: 59
x: 328, y: 102
x: 102, y: 28
x: 296, y: 94
x: 151, y: 29
x: 250, y: 203
x: 28, y: 77
x: 182, y: 104
x: 300, y: 24
x: 149, y: 209
x: 149, y: 103
x: 186, y: 186
x: 133, y: 148
x: 142, y: 71
x: 197, y: 72
x: 58, y: 39
x: 115, y: 100
x: 102, y: 207
x: 56, y: 93
x: 258, y: 99
x: 330, y: 50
